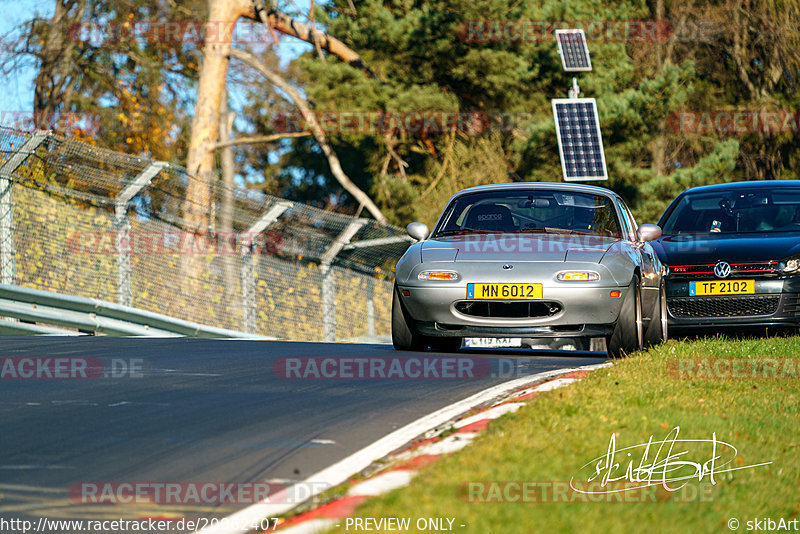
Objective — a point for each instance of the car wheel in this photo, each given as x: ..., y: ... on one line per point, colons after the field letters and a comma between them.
x: 444, y: 344
x: 404, y: 336
x: 627, y: 336
x: 657, y: 329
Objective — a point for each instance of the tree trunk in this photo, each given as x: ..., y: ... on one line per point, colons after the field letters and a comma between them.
x: 227, y: 168
x: 205, y: 125
x: 658, y: 148
x: 203, y: 139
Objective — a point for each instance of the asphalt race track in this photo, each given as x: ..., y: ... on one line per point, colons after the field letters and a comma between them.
x: 188, y: 410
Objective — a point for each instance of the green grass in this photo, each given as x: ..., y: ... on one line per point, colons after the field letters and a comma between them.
x: 558, y: 432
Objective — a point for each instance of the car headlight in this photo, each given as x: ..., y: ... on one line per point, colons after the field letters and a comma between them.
x: 578, y: 276
x: 789, y: 266
x: 448, y: 276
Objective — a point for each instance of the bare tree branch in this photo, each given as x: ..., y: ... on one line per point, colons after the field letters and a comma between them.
x: 287, y: 25
x: 447, y: 158
x: 316, y: 129
x: 254, y: 139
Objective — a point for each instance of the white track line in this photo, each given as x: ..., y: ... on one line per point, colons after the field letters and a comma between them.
x: 450, y: 444
x: 491, y: 413
x: 382, y: 483
x: 357, y: 462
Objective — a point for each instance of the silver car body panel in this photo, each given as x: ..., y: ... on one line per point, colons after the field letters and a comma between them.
x: 533, y: 258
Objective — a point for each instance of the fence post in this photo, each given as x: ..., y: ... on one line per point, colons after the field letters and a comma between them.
x: 370, y: 306
x: 368, y: 243
x: 249, y: 291
x: 328, y: 302
x: 249, y: 263
x: 328, y: 282
x: 123, y: 229
x: 7, y: 266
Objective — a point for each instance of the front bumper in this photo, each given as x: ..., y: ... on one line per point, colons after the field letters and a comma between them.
x: 583, y: 311
x: 776, y: 303
x: 577, y: 330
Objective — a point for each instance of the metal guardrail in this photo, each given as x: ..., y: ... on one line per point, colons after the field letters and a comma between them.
x: 91, y: 222
x: 41, y: 311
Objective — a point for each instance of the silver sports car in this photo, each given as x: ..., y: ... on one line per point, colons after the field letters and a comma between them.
x: 531, y: 260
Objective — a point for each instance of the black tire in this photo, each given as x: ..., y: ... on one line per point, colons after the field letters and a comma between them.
x: 404, y: 336
x: 658, y: 331
x: 628, y: 335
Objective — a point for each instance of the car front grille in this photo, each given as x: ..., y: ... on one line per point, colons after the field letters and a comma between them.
x: 755, y: 269
x: 508, y: 310
x: 737, y: 306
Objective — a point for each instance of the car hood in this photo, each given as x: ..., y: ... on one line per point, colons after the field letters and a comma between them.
x: 686, y: 249
x: 516, y: 247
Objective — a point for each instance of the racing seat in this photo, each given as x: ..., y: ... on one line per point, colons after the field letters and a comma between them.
x: 490, y: 217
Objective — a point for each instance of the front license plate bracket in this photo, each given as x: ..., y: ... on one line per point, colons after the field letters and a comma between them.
x: 702, y: 288
x: 504, y: 291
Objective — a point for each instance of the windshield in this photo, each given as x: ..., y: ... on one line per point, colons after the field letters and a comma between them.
x: 530, y: 211
x: 736, y: 211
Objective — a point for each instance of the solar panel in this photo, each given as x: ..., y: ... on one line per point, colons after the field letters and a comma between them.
x: 580, y: 144
x: 573, y: 50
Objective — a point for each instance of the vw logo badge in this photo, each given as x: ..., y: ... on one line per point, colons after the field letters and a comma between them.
x: 508, y: 266
x: 722, y: 269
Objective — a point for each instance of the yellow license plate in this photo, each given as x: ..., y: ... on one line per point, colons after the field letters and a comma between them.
x: 504, y: 291
x: 722, y: 287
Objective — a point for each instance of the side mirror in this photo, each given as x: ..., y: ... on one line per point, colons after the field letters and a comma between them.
x: 417, y: 230
x: 648, y: 232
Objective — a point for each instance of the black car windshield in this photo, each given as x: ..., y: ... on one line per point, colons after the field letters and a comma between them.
x: 530, y: 211
x: 735, y: 211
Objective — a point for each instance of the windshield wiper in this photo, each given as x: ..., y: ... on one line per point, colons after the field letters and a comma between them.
x: 462, y: 231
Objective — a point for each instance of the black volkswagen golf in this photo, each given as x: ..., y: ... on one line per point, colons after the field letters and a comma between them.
x: 733, y: 257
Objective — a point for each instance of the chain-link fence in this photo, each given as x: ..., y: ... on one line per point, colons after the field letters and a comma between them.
x: 92, y: 222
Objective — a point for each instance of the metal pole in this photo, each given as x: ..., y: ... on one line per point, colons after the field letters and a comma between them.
x: 7, y: 267
x: 249, y: 292
x: 123, y: 229
x: 328, y: 281
x: 370, y: 306
x: 249, y: 263
x: 123, y: 241
x: 328, y: 303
